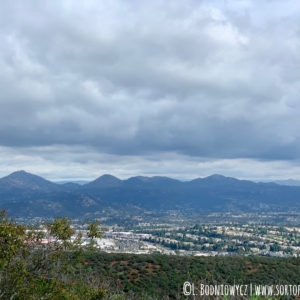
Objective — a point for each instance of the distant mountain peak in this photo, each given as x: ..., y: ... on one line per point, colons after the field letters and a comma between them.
x: 23, y: 179
x: 215, y: 179
x: 220, y: 177
x: 154, y: 181
x: 20, y: 173
x: 108, y: 176
x: 106, y: 180
x: 217, y: 176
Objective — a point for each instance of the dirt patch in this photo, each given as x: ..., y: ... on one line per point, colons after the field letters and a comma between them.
x: 253, y: 268
x: 122, y: 262
x: 134, y: 278
x: 151, y: 268
x: 113, y: 263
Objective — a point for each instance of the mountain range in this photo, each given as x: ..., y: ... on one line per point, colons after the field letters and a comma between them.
x: 26, y: 195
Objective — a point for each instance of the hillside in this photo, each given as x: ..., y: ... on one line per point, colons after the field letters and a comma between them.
x: 162, y: 276
x: 25, y: 194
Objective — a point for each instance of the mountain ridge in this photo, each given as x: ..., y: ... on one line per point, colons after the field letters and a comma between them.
x: 23, y: 192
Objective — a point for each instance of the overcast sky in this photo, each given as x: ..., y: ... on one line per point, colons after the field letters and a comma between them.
x: 129, y: 87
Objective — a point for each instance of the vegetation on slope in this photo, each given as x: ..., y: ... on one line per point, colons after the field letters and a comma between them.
x: 65, y: 269
x: 163, y: 276
x: 30, y: 269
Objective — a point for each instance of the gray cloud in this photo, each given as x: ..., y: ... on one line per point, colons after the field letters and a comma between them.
x: 79, y: 162
x: 199, y: 79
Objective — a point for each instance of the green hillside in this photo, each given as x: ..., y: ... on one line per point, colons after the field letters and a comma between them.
x: 163, y: 276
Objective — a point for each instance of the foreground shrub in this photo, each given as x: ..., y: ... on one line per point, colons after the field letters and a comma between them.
x: 32, y: 270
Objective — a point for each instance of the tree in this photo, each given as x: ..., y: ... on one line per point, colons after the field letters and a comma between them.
x: 30, y: 270
x: 62, y: 231
x: 12, y: 239
x: 94, y: 232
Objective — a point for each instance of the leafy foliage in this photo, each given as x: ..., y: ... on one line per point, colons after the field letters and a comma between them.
x: 162, y: 276
x: 32, y: 270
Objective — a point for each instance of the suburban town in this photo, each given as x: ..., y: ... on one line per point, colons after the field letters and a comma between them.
x: 197, y: 240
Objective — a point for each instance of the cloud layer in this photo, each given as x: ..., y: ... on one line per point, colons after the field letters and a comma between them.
x: 138, y: 80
